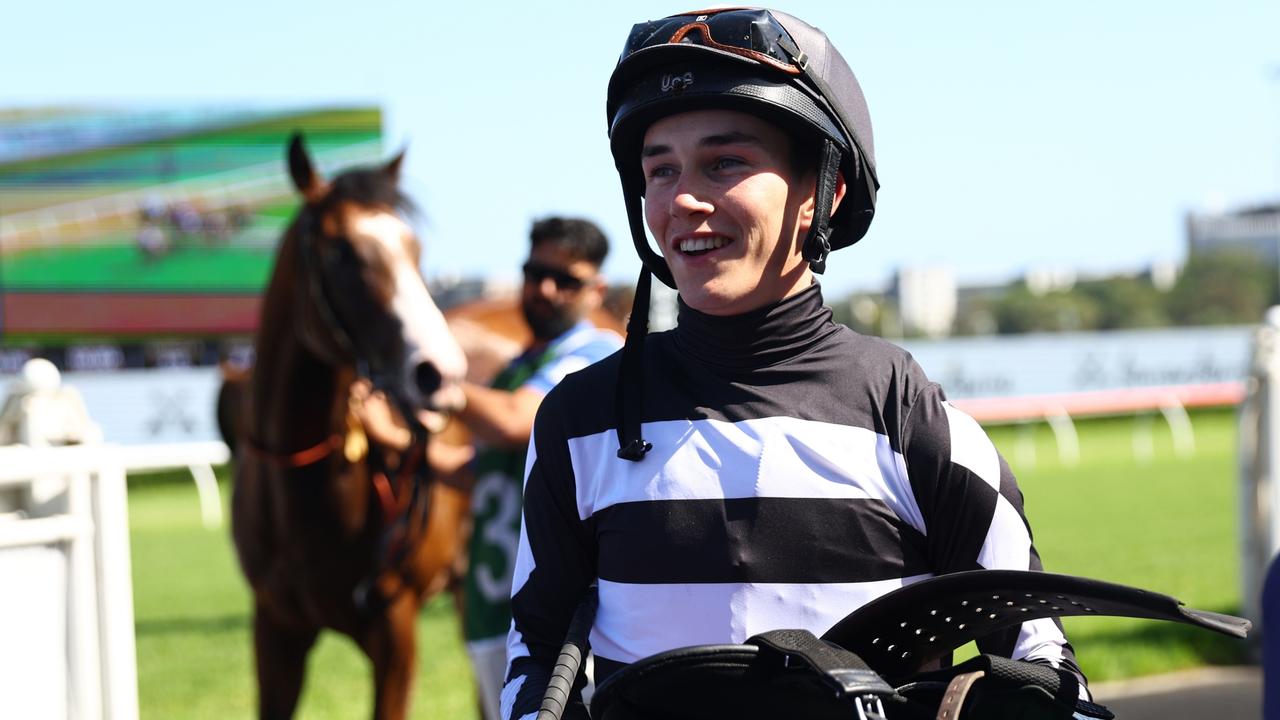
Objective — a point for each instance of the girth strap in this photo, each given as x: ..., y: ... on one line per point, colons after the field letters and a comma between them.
x: 845, y: 672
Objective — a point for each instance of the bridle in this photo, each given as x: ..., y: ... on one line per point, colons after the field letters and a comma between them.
x: 402, y: 491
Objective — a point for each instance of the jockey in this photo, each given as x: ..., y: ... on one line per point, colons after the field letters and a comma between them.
x: 759, y: 466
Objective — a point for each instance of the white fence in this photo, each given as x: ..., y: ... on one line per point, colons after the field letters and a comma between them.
x: 66, y: 588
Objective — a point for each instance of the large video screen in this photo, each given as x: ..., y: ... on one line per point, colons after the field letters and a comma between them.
x: 139, y: 225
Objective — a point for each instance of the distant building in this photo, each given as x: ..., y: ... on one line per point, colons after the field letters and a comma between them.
x: 1253, y: 229
x: 1044, y: 280
x: 926, y: 299
x: 1162, y: 274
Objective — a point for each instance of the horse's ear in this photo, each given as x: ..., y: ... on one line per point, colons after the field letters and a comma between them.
x: 300, y: 167
x: 392, y: 168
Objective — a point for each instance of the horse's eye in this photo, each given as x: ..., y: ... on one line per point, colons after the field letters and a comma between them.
x: 342, y: 253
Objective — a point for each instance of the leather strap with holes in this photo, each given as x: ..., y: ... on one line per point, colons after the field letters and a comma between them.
x: 957, y: 691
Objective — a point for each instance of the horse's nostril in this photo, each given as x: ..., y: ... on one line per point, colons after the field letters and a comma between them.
x: 427, y: 378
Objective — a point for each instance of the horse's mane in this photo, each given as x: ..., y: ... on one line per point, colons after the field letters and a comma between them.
x: 369, y: 187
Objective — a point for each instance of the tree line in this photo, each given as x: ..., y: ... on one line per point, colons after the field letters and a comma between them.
x: 1217, y: 288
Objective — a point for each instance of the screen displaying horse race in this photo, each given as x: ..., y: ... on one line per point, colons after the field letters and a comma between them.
x: 121, y: 225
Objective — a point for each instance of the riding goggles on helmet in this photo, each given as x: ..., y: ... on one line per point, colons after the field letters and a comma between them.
x: 753, y: 34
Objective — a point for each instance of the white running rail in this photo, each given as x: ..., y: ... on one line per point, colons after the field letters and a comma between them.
x: 68, y: 521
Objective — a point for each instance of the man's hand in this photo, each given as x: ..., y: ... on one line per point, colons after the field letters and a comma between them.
x: 382, y: 423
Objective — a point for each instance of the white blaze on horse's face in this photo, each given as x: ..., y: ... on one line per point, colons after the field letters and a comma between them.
x: 427, y: 340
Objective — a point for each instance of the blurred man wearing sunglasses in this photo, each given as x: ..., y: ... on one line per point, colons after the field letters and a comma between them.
x: 759, y: 466
x: 562, y: 286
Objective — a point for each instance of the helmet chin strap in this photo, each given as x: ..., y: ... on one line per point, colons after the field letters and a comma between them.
x: 629, y: 391
x: 630, y: 388
x: 635, y: 221
x: 817, y: 244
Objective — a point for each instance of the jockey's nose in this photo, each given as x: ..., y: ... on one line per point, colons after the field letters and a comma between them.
x: 428, y: 378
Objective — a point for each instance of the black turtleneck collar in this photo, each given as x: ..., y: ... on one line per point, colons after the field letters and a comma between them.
x: 759, y: 338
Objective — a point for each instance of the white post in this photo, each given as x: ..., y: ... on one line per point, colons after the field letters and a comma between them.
x: 115, y: 592
x: 1184, y: 437
x: 1064, y: 431
x: 207, y: 491
x: 85, y: 684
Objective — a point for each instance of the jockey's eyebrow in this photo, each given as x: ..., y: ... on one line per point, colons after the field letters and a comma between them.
x: 651, y: 150
x: 732, y: 137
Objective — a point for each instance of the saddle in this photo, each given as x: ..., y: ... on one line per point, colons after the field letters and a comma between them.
x: 865, y: 667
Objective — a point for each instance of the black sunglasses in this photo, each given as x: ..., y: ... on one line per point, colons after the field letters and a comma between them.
x: 535, y: 273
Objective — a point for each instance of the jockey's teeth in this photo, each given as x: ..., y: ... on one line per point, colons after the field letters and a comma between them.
x: 699, y: 244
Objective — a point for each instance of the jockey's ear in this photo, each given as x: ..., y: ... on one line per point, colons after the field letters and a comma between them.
x: 392, y: 168
x: 301, y: 170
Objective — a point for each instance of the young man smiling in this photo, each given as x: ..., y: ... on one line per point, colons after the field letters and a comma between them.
x: 759, y: 466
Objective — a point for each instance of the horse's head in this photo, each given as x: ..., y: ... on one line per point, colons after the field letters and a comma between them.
x: 362, y: 298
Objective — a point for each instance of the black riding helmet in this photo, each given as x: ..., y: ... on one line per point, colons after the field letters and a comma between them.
x: 763, y: 62
x: 758, y: 61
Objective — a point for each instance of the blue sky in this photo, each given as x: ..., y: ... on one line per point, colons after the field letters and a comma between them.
x: 1009, y: 135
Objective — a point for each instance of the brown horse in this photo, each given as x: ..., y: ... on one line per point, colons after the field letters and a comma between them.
x: 333, y: 531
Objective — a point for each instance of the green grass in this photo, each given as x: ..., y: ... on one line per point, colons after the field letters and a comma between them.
x: 1167, y: 526
x: 193, y: 629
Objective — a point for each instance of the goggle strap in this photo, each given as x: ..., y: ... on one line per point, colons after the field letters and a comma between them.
x: 703, y: 29
x: 798, y: 56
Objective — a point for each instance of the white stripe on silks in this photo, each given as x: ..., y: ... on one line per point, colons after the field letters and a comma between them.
x: 1008, y: 545
x: 901, y: 498
x: 531, y: 454
x: 524, y: 562
x: 779, y: 457
x: 524, y: 556
x: 516, y: 647
x: 636, y: 621
x: 509, y: 694
x: 971, y: 448
x: 1040, y: 640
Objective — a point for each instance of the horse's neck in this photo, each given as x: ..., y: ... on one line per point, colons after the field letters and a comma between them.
x: 294, y: 397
